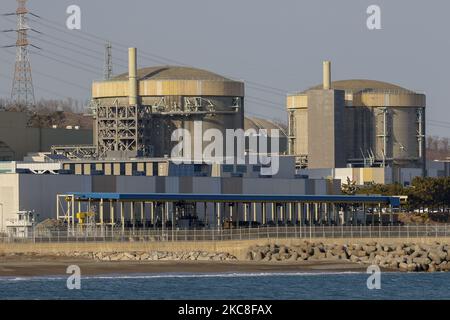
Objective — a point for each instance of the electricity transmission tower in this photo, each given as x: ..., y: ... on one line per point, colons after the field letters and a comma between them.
x: 108, y: 61
x: 22, y: 91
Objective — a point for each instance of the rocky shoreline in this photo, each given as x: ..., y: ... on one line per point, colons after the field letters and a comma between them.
x: 412, y: 257
x: 140, y: 256
x: 404, y: 257
x: 163, y: 256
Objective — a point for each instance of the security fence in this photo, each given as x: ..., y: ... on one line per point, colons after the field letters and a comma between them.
x: 278, y: 232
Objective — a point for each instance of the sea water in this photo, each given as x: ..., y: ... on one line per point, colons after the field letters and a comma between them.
x: 232, y: 286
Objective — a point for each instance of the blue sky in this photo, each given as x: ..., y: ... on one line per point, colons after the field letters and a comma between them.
x: 277, y: 46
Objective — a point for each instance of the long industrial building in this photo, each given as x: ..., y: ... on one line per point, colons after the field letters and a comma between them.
x: 356, y: 123
x: 34, y: 186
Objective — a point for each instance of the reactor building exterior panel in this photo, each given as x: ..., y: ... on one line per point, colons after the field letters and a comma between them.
x: 136, y: 113
x: 356, y: 123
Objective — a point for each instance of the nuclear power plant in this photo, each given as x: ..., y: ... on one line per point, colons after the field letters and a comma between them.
x: 356, y: 123
x: 369, y: 127
x: 332, y: 128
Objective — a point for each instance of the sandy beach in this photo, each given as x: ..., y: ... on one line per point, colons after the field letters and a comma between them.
x: 27, y: 266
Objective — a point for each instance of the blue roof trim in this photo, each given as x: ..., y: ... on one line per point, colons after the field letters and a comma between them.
x: 394, y: 201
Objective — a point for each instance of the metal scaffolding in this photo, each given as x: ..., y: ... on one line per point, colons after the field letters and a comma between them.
x: 124, y: 129
x: 117, y: 128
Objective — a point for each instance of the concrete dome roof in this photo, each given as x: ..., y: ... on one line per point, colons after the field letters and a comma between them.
x: 174, y: 73
x: 258, y: 123
x: 362, y: 85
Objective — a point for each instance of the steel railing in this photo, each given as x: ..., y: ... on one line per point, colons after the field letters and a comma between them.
x: 280, y: 232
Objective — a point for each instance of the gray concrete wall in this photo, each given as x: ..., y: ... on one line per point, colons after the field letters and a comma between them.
x: 22, y: 139
x: 38, y: 192
x: 104, y: 184
x: 273, y: 186
x: 50, y: 137
x: 326, y: 140
x: 15, y: 134
x: 206, y: 185
x: 9, y: 197
x: 21, y: 192
x: 231, y: 185
x: 130, y: 184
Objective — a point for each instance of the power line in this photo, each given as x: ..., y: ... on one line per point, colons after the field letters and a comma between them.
x: 73, y: 50
x: 98, y: 53
x: 90, y: 66
x: 57, y: 27
x: 267, y: 101
x: 439, y: 121
x: 438, y: 125
x: 264, y: 105
x: 89, y: 69
x: 147, y: 55
x: 52, y: 77
x: 66, y: 63
x: 143, y: 54
x: 265, y: 90
x: 64, y: 31
x: 261, y: 102
x: 40, y: 88
x: 280, y: 91
x: 67, y: 48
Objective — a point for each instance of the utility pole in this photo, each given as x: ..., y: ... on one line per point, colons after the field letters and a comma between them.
x: 22, y: 91
x: 108, y: 61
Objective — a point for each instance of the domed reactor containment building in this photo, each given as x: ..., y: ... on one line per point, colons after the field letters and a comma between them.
x: 356, y: 123
x: 136, y: 113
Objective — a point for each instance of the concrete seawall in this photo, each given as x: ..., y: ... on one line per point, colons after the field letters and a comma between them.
x: 238, y: 248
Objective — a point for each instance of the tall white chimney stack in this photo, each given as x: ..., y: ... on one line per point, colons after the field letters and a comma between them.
x: 326, y: 75
x: 132, y: 76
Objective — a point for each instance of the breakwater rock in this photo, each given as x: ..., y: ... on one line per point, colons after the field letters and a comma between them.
x: 404, y: 257
x: 131, y: 255
x: 153, y: 256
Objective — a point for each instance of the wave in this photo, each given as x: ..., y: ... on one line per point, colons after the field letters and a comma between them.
x: 186, y: 275
x: 217, y: 275
x: 33, y: 278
